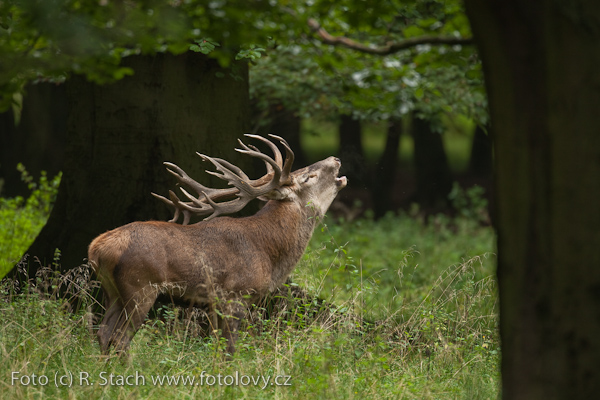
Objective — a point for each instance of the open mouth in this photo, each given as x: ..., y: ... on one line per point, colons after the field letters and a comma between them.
x: 341, y: 182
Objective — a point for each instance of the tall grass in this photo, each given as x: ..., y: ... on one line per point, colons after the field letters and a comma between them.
x: 401, y: 308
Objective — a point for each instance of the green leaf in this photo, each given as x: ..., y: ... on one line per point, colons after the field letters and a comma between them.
x: 122, y: 72
x: 204, y: 46
x: 419, y: 93
x: 413, y: 31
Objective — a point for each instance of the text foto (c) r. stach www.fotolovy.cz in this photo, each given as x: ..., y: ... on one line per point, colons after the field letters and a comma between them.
x: 104, y: 378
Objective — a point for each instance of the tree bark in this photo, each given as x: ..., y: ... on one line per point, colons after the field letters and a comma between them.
x: 120, y: 134
x: 351, y: 150
x: 384, y: 178
x: 7, y: 139
x: 481, y: 160
x: 541, y: 68
x: 38, y: 140
x: 433, y: 177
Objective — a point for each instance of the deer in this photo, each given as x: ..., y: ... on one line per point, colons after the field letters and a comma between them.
x: 221, y: 262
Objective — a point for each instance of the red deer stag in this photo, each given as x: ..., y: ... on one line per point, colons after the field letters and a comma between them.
x: 223, y: 262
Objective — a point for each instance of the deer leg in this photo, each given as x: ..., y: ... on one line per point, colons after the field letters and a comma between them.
x: 131, y: 318
x: 229, y: 322
x: 107, y: 327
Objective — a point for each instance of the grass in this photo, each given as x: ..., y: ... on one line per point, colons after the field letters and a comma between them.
x: 401, y: 308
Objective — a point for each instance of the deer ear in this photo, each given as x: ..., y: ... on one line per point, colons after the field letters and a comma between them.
x: 277, y: 194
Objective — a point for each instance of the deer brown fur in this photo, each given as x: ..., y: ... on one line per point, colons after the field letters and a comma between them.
x: 225, y: 263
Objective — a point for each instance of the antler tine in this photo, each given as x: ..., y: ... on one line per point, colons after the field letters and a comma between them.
x: 269, y: 167
x: 240, y: 183
x: 186, y: 209
x: 182, y: 177
x: 169, y: 203
x: 228, y: 207
x: 289, y: 159
x: 201, y: 207
x: 274, y: 149
x: 179, y: 208
x: 176, y: 204
x: 256, y: 153
x: 234, y: 168
x: 249, y: 190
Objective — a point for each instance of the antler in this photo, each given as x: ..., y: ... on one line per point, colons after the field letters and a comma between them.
x: 244, y: 189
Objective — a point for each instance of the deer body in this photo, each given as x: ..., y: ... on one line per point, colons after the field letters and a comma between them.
x: 222, y: 262
x: 264, y: 254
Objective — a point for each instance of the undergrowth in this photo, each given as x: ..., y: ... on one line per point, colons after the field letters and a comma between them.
x: 400, y: 308
x: 21, y: 219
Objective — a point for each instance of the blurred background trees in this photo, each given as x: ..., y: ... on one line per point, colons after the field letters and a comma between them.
x: 75, y: 79
x: 406, y: 65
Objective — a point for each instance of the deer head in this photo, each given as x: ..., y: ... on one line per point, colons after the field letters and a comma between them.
x: 278, y: 184
x: 219, y: 262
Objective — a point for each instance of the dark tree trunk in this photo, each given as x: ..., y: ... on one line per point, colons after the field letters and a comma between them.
x: 7, y: 139
x: 351, y: 150
x: 120, y: 134
x: 382, y: 188
x: 480, y: 161
x: 38, y: 140
x: 541, y: 67
x: 433, y: 177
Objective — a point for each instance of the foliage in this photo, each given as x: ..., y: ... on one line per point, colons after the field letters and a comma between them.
x: 436, y: 339
x: 470, y: 203
x: 49, y: 40
x: 290, y: 77
x: 22, y: 219
x: 316, y: 78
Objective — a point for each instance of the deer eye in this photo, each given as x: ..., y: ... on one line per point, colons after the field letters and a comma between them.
x: 309, y: 177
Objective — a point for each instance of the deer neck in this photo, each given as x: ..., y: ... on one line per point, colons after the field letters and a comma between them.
x: 286, y: 228
x: 287, y: 223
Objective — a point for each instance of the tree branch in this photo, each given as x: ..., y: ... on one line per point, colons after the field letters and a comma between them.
x: 390, y: 48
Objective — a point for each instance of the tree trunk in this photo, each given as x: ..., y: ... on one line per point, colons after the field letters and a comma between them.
x: 351, y: 151
x: 481, y: 160
x: 7, y: 139
x: 541, y: 67
x: 120, y: 134
x: 38, y: 140
x: 433, y: 177
x: 384, y: 178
